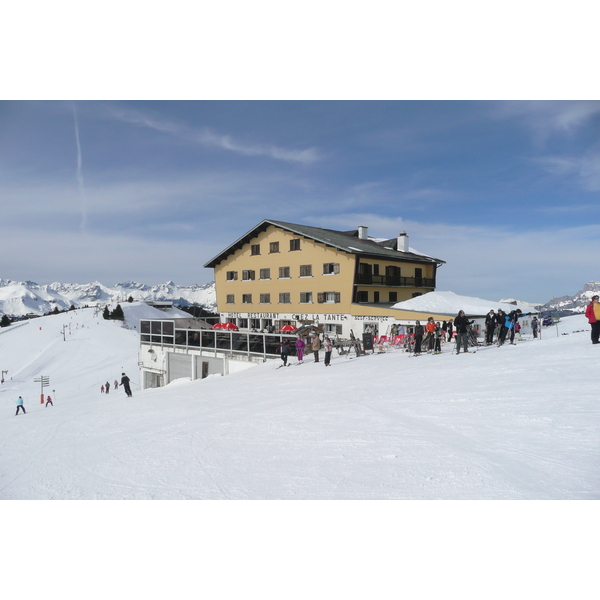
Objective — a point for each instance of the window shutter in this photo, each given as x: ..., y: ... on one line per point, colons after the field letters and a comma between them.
x: 336, y: 267
x: 337, y: 297
x: 321, y: 297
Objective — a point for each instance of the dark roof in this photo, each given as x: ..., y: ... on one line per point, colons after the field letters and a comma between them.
x: 348, y: 241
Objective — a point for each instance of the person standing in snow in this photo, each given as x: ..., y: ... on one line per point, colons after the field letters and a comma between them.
x: 328, y: 348
x: 102, y: 389
x: 534, y: 326
x: 300, y: 349
x: 125, y: 384
x: 49, y: 401
x: 107, y: 387
x: 437, y: 349
x: 20, y: 406
x: 501, y: 320
x: 450, y: 330
x: 429, y: 331
x: 512, y: 320
x: 316, y: 346
x: 419, y: 330
x: 116, y: 385
x: 284, y: 349
x: 592, y: 312
x: 462, y: 331
x: 490, y: 326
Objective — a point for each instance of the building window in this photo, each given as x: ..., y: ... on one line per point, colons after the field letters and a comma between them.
x: 331, y: 268
x: 294, y: 244
x: 329, y: 328
x: 284, y: 299
x: 362, y: 296
x: 265, y: 273
x: 232, y: 275
x: 305, y: 270
x: 328, y: 297
x: 375, y: 269
x: 265, y: 298
x: 246, y: 298
x: 416, y: 294
x: 284, y: 272
x: 248, y: 275
x: 306, y: 298
x: 274, y: 247
x: 375, y: 297
x: 230, y: 299
x: 255, y: 249
x: 393, y: 296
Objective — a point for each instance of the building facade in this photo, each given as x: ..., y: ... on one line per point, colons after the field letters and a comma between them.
x: 282, y: 273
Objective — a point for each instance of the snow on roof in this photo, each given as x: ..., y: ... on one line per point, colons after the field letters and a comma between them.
x: 450, y: 303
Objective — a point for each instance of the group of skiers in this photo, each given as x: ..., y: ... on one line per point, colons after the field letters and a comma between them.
x: 312, y: 345
x: 431, y: 335
x: 125, y: 383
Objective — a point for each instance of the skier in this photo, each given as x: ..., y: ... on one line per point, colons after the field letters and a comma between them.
x: 462, y: 335
x: 300, y: 349
x: 328, y: 347
x: 490, y: 326
x: 284, y: 348
x: 107, y: 387
x: 534, y: 326
x: 592, y: 312
x: 512, y: 320
x: 501, y: 320
x: 49, y: 401
x: 102, y: 389
x: 125, y: 384
x: 438, y: 339
x: 20, y: 406
x: 419, y: 329
x: 116, y: 385
x: 429, y: 336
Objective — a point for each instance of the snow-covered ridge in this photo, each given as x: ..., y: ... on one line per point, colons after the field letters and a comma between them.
x: 27, y: 297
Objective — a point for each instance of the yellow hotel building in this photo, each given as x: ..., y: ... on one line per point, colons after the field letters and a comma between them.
x: 280, y: 273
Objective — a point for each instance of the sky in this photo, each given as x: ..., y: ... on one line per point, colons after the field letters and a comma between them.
x: 506, y: 192
x: 142, y: 159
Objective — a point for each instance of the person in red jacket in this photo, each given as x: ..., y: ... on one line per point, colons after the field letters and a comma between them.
x: 592, y: 312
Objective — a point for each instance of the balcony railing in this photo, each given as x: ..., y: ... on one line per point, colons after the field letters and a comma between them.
x: 394, y: 281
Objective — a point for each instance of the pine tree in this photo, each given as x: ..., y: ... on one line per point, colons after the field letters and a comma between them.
x: 106, y: 313
x: 117, y: 314
x: 5, y: 322
x: 130, y: 299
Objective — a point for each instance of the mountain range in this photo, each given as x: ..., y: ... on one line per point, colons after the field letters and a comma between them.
x: 18, y: 299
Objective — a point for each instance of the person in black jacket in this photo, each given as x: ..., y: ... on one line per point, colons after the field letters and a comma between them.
x: 125, y: 384
x: 501, y: 320
x: 419, y: 331
x: 490, y: 326
x: 462, y: 332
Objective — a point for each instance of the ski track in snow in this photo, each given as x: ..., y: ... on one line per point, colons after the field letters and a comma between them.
x: 516, y: 422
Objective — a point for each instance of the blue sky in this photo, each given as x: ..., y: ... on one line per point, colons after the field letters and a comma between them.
x: 506, y: 192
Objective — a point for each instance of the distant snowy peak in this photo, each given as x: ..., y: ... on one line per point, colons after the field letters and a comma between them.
x: 576, y: 303
x: 22, y: 298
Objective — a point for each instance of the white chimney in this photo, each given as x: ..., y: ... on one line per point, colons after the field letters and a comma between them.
x: 363, y: 232
x: 403, y: 242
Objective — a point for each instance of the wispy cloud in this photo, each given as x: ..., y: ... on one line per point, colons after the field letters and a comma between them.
x: 586, y: 168
x: 208, y: 138
x: 79, y: 175
x: 548, y: 118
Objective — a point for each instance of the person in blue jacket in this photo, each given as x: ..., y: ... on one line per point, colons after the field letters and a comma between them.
x: 20, y: 406
x: 511, y: 320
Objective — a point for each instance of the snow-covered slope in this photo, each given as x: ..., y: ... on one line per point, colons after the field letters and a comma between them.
x: 450, y: 303
x: 21, y: 298
x: 516, y: 422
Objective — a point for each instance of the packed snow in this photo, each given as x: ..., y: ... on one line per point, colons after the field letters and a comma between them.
x: 515, y: 422
x: 449, y: 303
